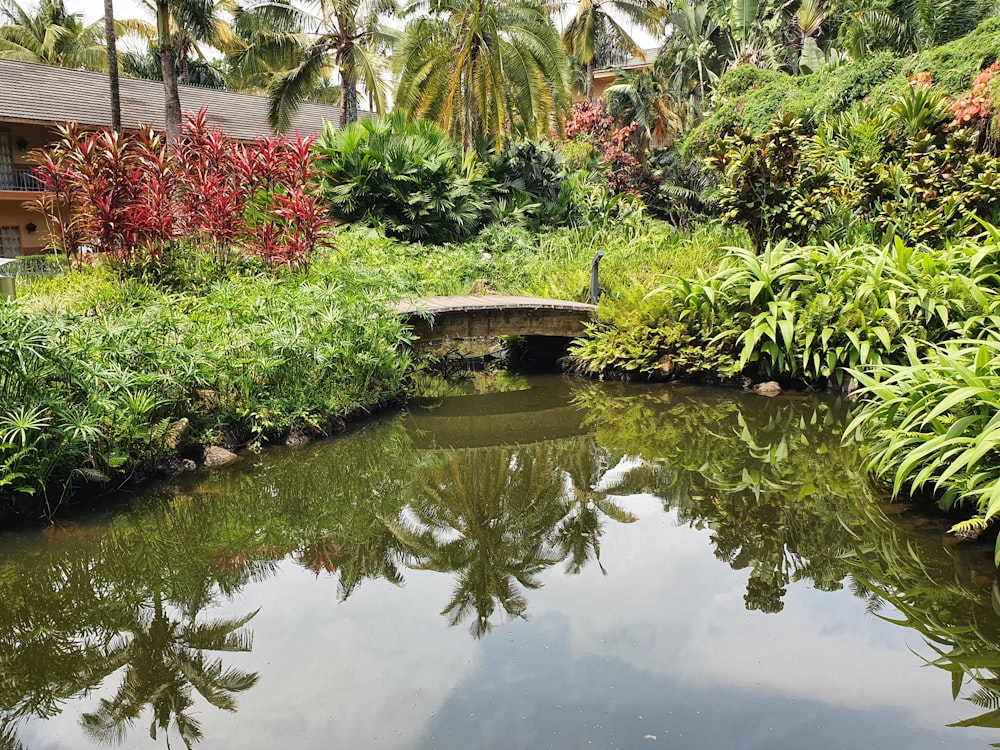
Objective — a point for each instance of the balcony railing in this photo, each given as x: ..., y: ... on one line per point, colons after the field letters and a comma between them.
x: 21, y: 179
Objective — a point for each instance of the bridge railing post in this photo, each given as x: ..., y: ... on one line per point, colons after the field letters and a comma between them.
x: 595, y: 285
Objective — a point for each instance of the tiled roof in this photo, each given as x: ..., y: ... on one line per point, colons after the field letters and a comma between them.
x: 634, y: 61
x: 43, y: 93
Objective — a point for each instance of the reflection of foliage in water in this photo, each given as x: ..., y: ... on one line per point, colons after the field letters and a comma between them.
x: 131, y: 598
x: 771, y: 478
x: 782, y: 497
x: 499, y: 516
x: 949, y: 595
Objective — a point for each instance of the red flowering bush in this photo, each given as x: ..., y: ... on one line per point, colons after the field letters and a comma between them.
x: 131, y: 196
x: 976, y: 105
x: 591, y: 122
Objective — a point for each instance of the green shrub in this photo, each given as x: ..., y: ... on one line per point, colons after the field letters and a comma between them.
x: 530, y: 183
x: 750, y: 99
x: 901, y: 170
x: 805, y: 313
x: 933, y: 423
x: 93, y: 392
x: 408, y: 178
x: 953, y: 66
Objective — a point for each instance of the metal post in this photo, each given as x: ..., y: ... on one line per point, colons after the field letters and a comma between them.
x: 8, y: 281
x: 595, y: 286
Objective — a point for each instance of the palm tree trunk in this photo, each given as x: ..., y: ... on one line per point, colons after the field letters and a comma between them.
x: 349, y: 93
x: 589, y: 73
x: 109, y: 37
x: 184, y: 61
x: 168, y: 65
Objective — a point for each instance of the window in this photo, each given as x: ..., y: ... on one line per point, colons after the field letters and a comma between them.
x: 10, y: 242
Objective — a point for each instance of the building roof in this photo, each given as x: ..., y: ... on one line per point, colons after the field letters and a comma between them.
x: 30, y: 92
x: 633, y: 62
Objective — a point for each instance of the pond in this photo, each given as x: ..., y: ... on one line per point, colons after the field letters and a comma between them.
x: 567, y: 564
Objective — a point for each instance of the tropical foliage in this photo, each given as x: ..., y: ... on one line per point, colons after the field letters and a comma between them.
x: 595, y: 26
x: 408, y: 178
x: 476, y: 67
x: 50, y: 35
x: 138, y: 373
x: 134, y: 197
x: 301, y: 46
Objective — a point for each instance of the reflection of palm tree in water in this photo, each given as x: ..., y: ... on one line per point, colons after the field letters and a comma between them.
x: 578, y: 536
x: 163, y: 661
x: 354, y: 557
x: 487, y: 514
x: 499, y: 516
x: 8, y: 735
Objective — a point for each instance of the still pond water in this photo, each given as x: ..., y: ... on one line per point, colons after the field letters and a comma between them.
x: 570, y: 565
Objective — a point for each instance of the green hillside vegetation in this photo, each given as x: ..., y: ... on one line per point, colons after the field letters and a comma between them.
x: 748, y: 98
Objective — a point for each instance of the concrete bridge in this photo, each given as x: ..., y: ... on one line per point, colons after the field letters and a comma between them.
x: 492, y: 315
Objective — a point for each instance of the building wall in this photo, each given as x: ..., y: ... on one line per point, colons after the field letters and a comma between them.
x: 22, y: 139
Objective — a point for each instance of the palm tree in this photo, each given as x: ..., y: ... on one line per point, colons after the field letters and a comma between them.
x: 146, y: 64
x: 694, y: 55
x: 51, y: 36
x: 111, y: 41
x: 641, y: 97
x: 180, y: 24
x: 477, y: 67
x: 298, y: 50
x: 594, y: 25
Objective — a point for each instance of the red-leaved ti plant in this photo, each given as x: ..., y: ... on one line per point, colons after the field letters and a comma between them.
x: 130, y: 196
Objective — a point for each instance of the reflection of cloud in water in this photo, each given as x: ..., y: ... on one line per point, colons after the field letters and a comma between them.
x: 613, y: 476
x: 664, y: 636
x: 695, y: 627
x: 371, y: 670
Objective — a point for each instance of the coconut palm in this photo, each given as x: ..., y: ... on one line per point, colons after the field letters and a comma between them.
x: 641, y: 97
x: 296, y: 48
x: 695, y: 54
x: 180, y: 26
x: 111, y: 41
x: 478, y: 67
x: 50, y: 35
x: 146, y: 64
x: 595, y: 24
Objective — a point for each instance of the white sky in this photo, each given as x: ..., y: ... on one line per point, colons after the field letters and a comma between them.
x: 94, y: 9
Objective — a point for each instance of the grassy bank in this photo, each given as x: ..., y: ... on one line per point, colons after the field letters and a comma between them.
x: 107, y: 377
